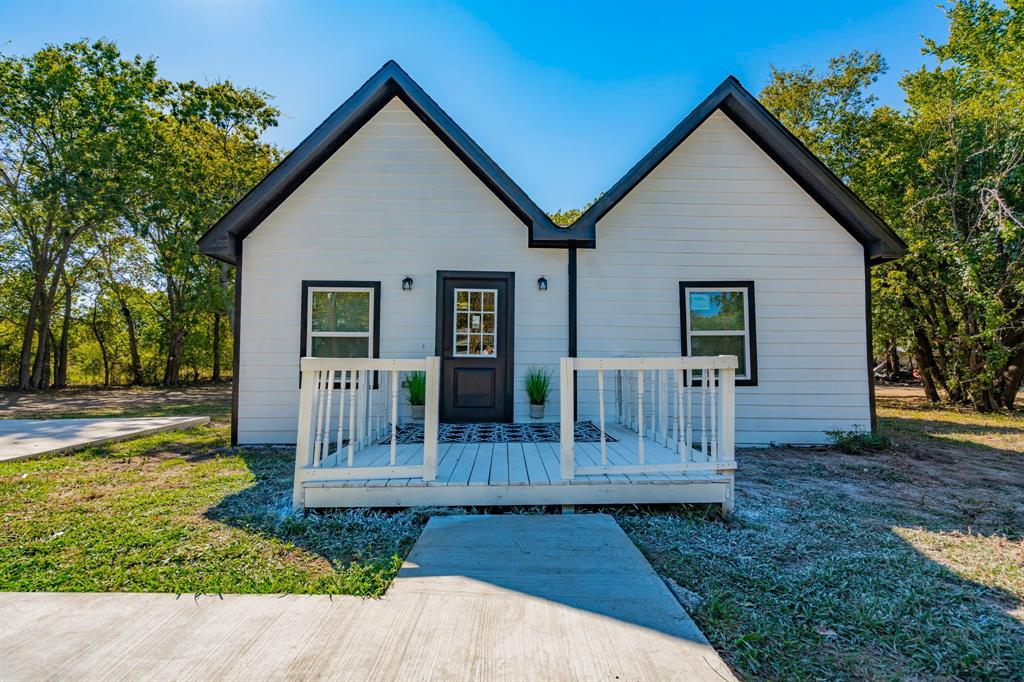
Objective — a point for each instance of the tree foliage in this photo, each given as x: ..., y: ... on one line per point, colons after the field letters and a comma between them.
x: 108, y: 175
x: 947, y: 173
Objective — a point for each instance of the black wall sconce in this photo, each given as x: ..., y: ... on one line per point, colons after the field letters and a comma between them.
x: 542, y: 284
x: 407, y: 283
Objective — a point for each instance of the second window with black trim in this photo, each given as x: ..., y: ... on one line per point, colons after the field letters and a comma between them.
x: 718, y: 319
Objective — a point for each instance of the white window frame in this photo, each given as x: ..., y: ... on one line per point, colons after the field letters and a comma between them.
x: 310, y: 334
x: 745, y: 333
x: 455, y: 323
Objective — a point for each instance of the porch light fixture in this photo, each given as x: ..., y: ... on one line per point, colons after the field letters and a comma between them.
x: 542, y: 284
x: 407, y: 283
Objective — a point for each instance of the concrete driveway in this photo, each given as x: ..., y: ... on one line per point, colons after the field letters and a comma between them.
x: 479, y: 598
x: 26, y: 438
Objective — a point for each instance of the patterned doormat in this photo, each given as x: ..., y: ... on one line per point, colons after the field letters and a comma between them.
x: 586, y: 432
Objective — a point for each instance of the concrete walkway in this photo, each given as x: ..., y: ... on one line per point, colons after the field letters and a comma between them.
x: 480, y: 598
x: 27, y: 438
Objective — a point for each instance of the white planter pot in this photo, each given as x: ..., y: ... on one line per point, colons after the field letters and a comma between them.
x: 417, y: 412
x: 536, y: 411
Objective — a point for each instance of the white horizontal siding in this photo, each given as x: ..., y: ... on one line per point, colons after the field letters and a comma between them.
x: 393, y: 201
x: 718, y: 208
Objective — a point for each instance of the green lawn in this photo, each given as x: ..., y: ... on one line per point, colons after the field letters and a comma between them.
x: 181, y: 512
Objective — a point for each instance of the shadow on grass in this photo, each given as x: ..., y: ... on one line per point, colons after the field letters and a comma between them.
x: 365, y: 548
x: 929, y: 427
x: 211, y: 399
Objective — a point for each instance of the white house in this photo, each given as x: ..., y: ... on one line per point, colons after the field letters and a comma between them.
x: 388, y: 235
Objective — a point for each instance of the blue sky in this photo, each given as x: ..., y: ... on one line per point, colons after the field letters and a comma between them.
x: 565, y: 97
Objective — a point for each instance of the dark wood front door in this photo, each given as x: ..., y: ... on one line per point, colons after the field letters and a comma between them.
x: 475, y: 312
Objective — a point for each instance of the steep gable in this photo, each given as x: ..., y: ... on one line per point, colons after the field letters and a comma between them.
x: 390, y: 82
x: 733, y: 101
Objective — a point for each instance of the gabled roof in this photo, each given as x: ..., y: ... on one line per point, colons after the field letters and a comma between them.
x: 389, y: 82
x: 880, y: 242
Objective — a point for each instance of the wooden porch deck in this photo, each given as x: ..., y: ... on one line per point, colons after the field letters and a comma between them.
x: 515, y: 473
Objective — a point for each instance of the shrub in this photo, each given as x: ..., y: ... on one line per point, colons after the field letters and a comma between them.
x: 538, y: 385
x: 416, y: 388
x: 858, y: 442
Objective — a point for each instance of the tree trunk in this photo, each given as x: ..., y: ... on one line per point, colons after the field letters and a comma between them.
x: 41, y: 366
x: 133, y: 343
x: 61, y: 373
x: 25, y: 363
x: 929, y: 366
x: 927, y: 383
x: 43, y: 377
x: 892, y: 361
x: 1013, y: 376
x: 175, y: 347
x: 176, y: 332
x: 216, y: 347
x: 103, y: 349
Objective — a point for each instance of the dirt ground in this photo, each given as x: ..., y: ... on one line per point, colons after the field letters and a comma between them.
x: 211, y: 399
x: 957, y: 463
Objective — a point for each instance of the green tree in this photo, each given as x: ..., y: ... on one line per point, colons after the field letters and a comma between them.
x: 205, y: 152
x: 947, y: 173
x: 71, y: 118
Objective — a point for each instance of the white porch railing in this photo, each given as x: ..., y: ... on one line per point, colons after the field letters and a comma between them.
x: 685, y: 405
x: 349, y: 405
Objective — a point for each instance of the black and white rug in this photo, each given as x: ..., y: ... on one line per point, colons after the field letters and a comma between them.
x: 586, y: 432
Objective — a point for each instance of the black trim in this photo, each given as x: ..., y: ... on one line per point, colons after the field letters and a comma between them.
x: 751, y: 379
x: 572, y: 301
x: 307, y: 283
x: 871, y: 354
x: 236, y: 247
x: 439, y: 310
x: 389, y: 82
x: 784, y: 148
x: 572, y: 326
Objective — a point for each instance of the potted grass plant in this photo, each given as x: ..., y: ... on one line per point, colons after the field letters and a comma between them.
x: 416, y: 392
x: 538, y: 386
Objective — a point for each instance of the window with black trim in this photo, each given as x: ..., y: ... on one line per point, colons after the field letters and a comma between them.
x: 718, y: 319
x: 340, y: 319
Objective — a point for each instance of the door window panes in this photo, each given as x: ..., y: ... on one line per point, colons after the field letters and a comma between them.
x: 476, y: 323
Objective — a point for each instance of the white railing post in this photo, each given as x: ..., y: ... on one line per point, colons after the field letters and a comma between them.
x: 727, y: 416
x: 394, y: 413
x: 679, y: 434
x: 567, y: 422
x: 713, y: 448
x: 704, y: 414
x: 640, y: 412
x: 600, y: 402
x: 431, y: 412
x: 341, y: 416
x: 304, y: 437
x: 352, y: 391
x: 663, y: 407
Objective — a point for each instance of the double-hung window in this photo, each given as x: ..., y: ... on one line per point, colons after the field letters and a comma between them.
x: 718, y: 319
x: 341, y: 319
